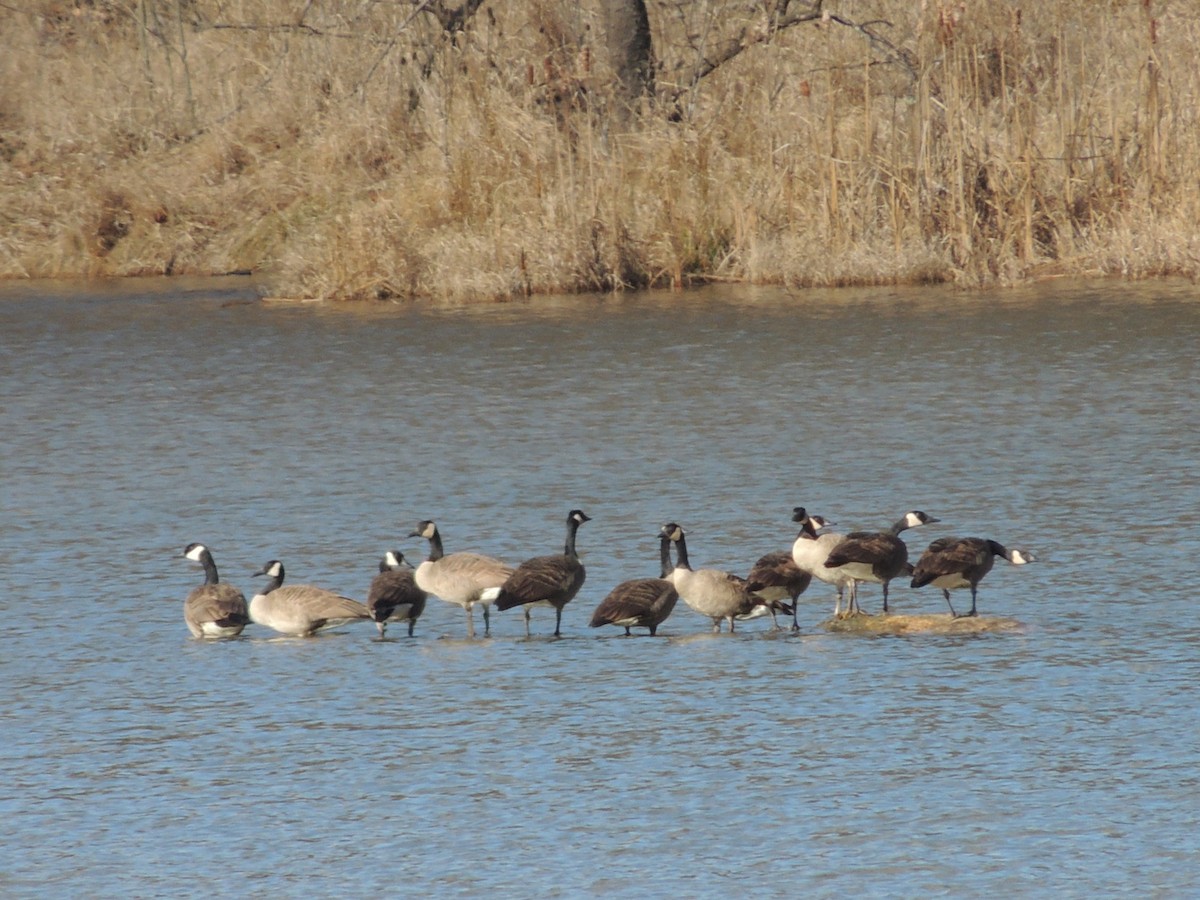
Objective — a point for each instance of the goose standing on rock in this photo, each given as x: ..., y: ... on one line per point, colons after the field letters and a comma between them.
x: 213, y: 610
x: 301, y: 610
x: 776, y: 576
x: 875, y: 556
x: 547, y: 580
x: 640, y: 602
x: 463, y: 578
x: 394, y: 595
x: 811, y: 549
x: 710, y: 592
x: 951, y: 563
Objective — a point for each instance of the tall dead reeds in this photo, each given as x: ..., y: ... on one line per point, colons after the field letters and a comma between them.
x: 378, y: 151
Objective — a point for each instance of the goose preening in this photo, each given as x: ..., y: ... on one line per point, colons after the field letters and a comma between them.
x: 213, y: 610
x: 952, y: 563
x: 394, y: 595
x: 776, y: 577
x: 641, y: 602
x: 811, y: 549
x: 547, y: 580
x: 463, y: 578
x: 875, y: 556
x: 770, y: 599
x: 710, y: 592
x: 300, y: 609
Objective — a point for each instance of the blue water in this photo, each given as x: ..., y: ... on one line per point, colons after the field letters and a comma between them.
x: 1057, y: 760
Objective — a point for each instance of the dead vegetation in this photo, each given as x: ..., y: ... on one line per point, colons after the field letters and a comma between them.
x: 899, y: 624
x: 356, y: 150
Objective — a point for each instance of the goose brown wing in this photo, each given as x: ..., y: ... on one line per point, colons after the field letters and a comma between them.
x: 949, y: 556
x: 557, y: 577
x: 220, y: 603
x: 391, y: 589
x: 778, y: 570
x: 885, y: 553
x: 634, y: 599
x: 320, y: 604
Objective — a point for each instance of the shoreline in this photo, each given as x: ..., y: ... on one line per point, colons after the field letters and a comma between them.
x: 945, y: 144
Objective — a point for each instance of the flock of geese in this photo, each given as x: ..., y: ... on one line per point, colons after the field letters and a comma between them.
x: 399, y: 592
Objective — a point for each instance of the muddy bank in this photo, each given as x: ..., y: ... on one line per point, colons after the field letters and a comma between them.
x: 942, y: 623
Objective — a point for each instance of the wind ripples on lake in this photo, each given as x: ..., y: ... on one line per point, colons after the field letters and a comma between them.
x: 1057, y: 760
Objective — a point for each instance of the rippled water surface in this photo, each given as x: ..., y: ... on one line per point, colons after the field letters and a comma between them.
x: 1060, y: 760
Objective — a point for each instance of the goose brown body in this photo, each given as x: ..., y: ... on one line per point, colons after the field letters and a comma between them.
x: 462, y: 578
x: 776, y: 576
x: 875, y: 556
x: 640, y: 602
x: 551, y: 580
x: 214, y: 609
x: 721, y: 596
x: 301, y: 610
x: 953, y: 563
x: 393, y: 595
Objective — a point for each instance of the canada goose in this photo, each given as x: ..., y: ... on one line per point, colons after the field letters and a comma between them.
x: 875, y: 556
x: 776, y: 575
x: 951, y: 563
x: 394, y: 595
x: 547, y: 580
x: 769, y: 600
x: 462, y: 578
x: 810, y: 551
x: 213, y: 610
x: 710, y: 592
x: 300, y: 609
x: 641, y: 602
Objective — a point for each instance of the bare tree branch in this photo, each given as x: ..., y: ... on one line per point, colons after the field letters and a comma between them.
x: 780, y: 17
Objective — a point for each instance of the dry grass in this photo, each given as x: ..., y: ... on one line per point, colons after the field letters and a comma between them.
x: 352, y: 150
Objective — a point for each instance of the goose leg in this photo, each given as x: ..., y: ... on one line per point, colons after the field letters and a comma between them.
x: 411, y: 624
x: 487, y: 620
x: 527, y: 621
x: 885, y: 606
x: 946, y: 594
x: 558, y: 621
x: 470, y: 620
x: 796, y: 613
x: 973, y: 611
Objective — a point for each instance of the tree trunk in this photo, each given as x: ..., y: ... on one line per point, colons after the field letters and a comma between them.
x: 627, y: 31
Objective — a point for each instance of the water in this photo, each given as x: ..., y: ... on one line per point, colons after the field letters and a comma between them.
x: 1058, y: 761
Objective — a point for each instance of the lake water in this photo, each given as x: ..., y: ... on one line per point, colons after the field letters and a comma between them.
x: 1061, y: 760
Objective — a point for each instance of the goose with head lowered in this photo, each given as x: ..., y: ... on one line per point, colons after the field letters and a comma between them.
x: 875, y: 556
x: 301, y: 610
x: 952, y: 563
x: 214, y: 609
x: 776, y: 577
x: 810, y: 550
x: 641, y: 602
x: 547, y: 580
x: 721, y: 596
x: 462, y: 578
x: 393, y: 595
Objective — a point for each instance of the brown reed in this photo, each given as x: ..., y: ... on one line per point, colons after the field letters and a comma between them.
x: 361, y: 151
